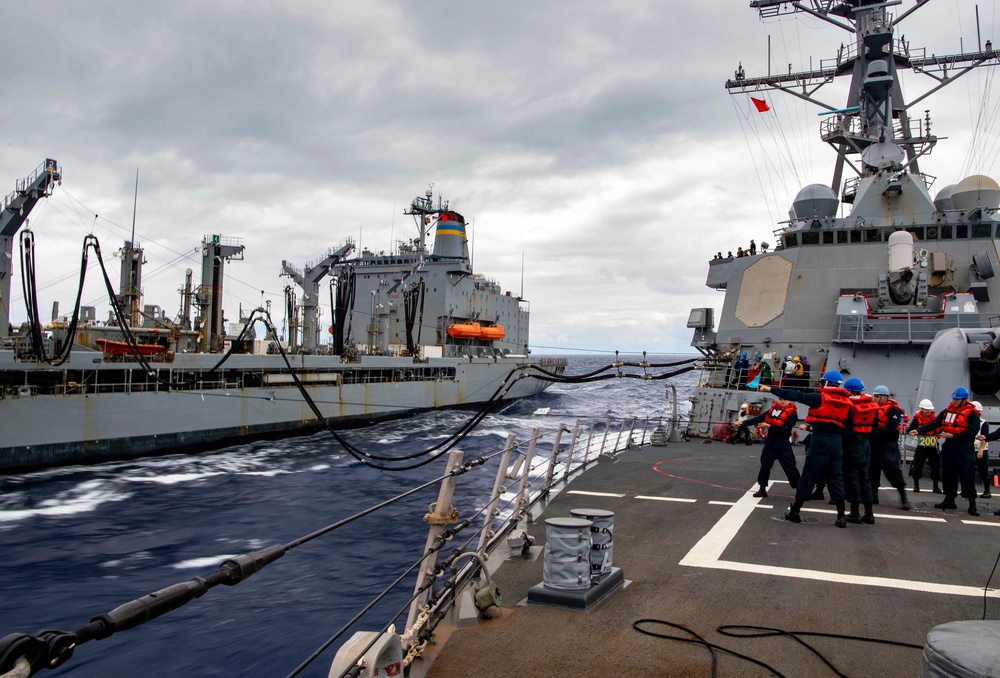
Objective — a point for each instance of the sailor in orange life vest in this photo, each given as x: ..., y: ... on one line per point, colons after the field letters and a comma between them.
x: 830, y: 414
x: 959, y: 424
x: 778, y: 422
x: 885, y: 447
x: 857, y: 452
x: 927, y: 447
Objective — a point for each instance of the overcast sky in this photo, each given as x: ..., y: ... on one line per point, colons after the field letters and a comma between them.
x: 593, y: 138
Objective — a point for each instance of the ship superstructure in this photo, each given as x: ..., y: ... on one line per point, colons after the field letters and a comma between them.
x: 413, y: 330
x: 868, y: 291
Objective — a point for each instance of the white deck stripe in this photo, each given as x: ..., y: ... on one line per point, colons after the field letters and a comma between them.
x: 980, y: 522
x: 889, y: 516
x: 680, y: 499
x: 732, y: 503
x: 596, y: 494
x: 708, y: 551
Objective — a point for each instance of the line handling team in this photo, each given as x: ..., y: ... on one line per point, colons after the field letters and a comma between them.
x: 854, y: 440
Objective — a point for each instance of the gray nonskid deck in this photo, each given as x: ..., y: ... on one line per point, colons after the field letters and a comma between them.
x: 735, y: 561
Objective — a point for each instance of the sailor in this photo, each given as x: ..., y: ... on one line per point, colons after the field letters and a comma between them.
x: 959, y: 424
x: 765, y: 370
x: 830, y: 414
x: 777, y: 424
x: 788, y: 372
x: 753, y: 247
x: 885, y: 447
x: 806, y: 369
x: 857, y: 451
x: 742, y: 432
x: 741, y: 366
x: 983, y: 452
x: 799, y: 373
x: 927, y: 447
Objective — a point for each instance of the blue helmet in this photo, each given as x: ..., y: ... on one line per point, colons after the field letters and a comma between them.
x: 881, y: 390
x: 854, y: 385
x: 833, y: 377
x: 960, y: 393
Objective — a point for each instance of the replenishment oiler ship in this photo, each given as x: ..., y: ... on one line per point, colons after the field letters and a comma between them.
x: 415, y: 329
x: 880, y: 273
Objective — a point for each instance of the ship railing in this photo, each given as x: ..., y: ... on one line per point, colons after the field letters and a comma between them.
x: 905, y: 327
x: 530, y: 472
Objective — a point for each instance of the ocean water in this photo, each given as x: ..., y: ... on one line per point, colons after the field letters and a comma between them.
x: 79, y: 541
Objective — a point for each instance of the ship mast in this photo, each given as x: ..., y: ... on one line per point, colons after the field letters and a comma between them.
x: 875, y: 111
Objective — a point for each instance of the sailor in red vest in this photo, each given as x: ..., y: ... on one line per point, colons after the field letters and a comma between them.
x: 959, y: 424
x: 830, y: 414
x: 885, y: 447
x: 927, y: 447
x: 777, y: 422
x: 857, y: 452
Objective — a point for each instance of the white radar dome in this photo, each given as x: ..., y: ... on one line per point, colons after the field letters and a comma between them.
x: 883, y: 155
x: 815, y: 201
x: 976, y: 191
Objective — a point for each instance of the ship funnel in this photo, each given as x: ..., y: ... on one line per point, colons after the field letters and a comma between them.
x: 902, y: 284
x: 449, y: 239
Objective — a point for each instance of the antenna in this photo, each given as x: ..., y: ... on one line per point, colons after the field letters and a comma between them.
x: 392, y: 226
x: 522, y: 275
x: 135, y: 200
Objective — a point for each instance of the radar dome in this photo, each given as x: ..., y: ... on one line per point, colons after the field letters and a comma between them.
x: 976, y: 191
x: 815, y: 201
x: 883, y: 155
x: 943, y: 201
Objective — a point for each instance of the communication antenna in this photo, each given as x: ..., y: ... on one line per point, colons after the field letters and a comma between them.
x: 135, y: 200
x: 522, y: 275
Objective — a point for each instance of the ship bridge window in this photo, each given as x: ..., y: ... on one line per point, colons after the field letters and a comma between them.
x: 827, y: 237
x: 917, y: 231
x: 791, y: 240
x: 873, y: 235
x: 841, y: 237
x: 982, y: 230
x: 855, y: 236
x: 946, y: 231
x: 961, y: 231
x: 810, y: 238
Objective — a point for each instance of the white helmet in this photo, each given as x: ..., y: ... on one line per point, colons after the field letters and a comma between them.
x: 926, y: 404
x: 978, y: 405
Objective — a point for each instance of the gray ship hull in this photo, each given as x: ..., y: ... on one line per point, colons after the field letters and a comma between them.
x: 41, y: 430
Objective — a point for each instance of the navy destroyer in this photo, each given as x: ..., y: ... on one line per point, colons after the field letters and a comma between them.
x: 905, y: 275
x: 414, y: 329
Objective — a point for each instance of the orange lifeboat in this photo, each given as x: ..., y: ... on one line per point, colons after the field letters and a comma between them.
x: 464, y: 330
x: 116, y: 348
x: 492, y: 333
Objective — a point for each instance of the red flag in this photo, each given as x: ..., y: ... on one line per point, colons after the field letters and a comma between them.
x: 760, y: 104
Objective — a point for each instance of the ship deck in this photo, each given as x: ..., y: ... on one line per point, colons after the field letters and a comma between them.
x: 697, y: 549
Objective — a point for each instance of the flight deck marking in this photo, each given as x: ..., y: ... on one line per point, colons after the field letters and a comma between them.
x: 980, y: 522
x: 596, y: 494
x: 889, y: 516
x: 732, y: 503
x: 708, y: 552
x: 680, y: 499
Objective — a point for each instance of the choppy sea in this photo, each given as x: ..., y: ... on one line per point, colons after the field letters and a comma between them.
x: 76, y: 542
